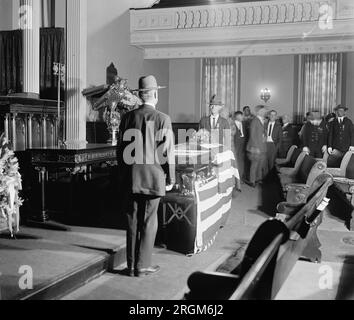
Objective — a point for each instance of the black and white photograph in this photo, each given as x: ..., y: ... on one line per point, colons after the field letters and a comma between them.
x: 177, y: 155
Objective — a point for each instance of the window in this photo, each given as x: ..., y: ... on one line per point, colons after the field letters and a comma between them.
x: 319, y: 83
x: 220, y: 77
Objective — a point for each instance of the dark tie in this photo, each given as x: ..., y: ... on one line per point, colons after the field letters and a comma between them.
x: 214, y: 123
x: 270, y: 130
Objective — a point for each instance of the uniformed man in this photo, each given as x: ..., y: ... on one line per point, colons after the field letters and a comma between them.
x: 146, y: 160
x: 315, y: 136
x: 340, y: 137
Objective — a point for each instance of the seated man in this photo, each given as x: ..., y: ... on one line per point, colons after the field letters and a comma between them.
x: 340, y: 137
x: 315, y: 136
x: 289, y: 137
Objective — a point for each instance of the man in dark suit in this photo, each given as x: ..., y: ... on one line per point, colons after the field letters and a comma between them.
x: 340, y: 137
x: 274, y: 140
x: 146, y: 160
x: 218, y: 126
x: 256, y: 146
x: 315, y: 136
x: 240, y: 143
x: 290, y: 137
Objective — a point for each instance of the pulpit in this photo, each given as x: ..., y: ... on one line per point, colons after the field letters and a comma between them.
x: 30, y: 123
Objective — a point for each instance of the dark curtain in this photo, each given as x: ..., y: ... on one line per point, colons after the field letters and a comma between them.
x: 52, y: 49
x: 11, y: 62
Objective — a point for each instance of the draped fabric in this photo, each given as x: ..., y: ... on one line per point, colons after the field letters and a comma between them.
x: 319, y: 83
x: 219, y: 76
x: 11, y: 62
x: 52, y: 49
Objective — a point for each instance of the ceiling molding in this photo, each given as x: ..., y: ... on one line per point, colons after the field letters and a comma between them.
x: 251, y: 28
x: 257, y: 49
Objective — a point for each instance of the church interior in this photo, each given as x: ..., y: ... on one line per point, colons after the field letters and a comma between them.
x: 268, y: 217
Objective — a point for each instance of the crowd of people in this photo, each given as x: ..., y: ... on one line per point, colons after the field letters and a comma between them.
x: 258, y: 138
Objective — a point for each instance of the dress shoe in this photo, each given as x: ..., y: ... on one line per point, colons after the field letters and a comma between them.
x: 147, y: 271
x: 129, y: 272
x: 251, y: 184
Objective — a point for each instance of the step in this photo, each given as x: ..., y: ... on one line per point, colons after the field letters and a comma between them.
x: 61, y: 261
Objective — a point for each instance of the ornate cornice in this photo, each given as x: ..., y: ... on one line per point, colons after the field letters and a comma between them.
x: 235, y: 26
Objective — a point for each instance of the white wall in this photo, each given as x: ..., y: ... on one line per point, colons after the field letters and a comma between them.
x: 5, y: 15
x: 184, y: 90
x: 276, y: 73
x: 273, y: 72
x: 109, y: 41
x: 349, y: 83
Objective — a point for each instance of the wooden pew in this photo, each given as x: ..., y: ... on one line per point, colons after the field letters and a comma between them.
x: 301, y: 180
x: 285, y: 161
x: 342, y: 192
x: 269, y: 258
x: 291, y: 169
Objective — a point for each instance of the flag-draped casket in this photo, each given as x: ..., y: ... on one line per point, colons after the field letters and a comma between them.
x: 193, y: 215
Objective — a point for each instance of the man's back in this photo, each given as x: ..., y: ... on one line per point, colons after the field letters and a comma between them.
x: 256, y: 139
x: 146, y: 151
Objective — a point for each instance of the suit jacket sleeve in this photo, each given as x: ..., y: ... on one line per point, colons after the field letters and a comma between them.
x: 280, y: 136
x: 252, y: 143
x: 330, y: 134
x: 305, y: 136
x: 325, y: 142
x: 351, y: 126
x: 169, y: 151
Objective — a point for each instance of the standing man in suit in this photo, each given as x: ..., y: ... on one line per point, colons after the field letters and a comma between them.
x: 274, y: 139
x: 256, y: 146
x: 218, y: 126
x: 240, y: 142
x: 340, y: 137
x: 315, y: 136
x: 290, y: 137
x: 146, y: 159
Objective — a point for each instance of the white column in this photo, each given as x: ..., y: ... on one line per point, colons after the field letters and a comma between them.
x: 30, y: 21
x: 76, y: 71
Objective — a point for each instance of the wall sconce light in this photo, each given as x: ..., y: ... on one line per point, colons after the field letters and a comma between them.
x: 265, y: 95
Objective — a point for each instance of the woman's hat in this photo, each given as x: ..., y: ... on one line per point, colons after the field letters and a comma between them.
x: 148, y: 83
x: 340, y: 107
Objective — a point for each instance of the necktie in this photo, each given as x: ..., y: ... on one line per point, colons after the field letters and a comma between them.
x: 214, y: 123
x: 270, y: 130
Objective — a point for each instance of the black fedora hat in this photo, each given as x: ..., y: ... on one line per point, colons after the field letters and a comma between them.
x: 148, y: 83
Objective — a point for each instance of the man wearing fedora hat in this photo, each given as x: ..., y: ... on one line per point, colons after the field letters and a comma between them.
x: 147, y: 173
x: 215, y: 124
x: 341, y: 136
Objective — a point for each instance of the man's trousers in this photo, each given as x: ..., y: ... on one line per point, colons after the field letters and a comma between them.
x: 141, y: 231
x: 257, y: 166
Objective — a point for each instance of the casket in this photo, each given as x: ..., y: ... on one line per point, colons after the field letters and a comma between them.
x: 194, y: 214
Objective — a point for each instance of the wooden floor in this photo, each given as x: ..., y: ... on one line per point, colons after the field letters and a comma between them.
x: 85, y: 263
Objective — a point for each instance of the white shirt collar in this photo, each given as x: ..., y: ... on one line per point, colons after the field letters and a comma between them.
x: 215, y: 117
x: 261, y: 119
x: 150, y: 104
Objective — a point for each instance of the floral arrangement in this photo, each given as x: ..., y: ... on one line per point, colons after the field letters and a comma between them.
x: 10, y: 184
x: 119, y: 99
x: 201, y: 137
